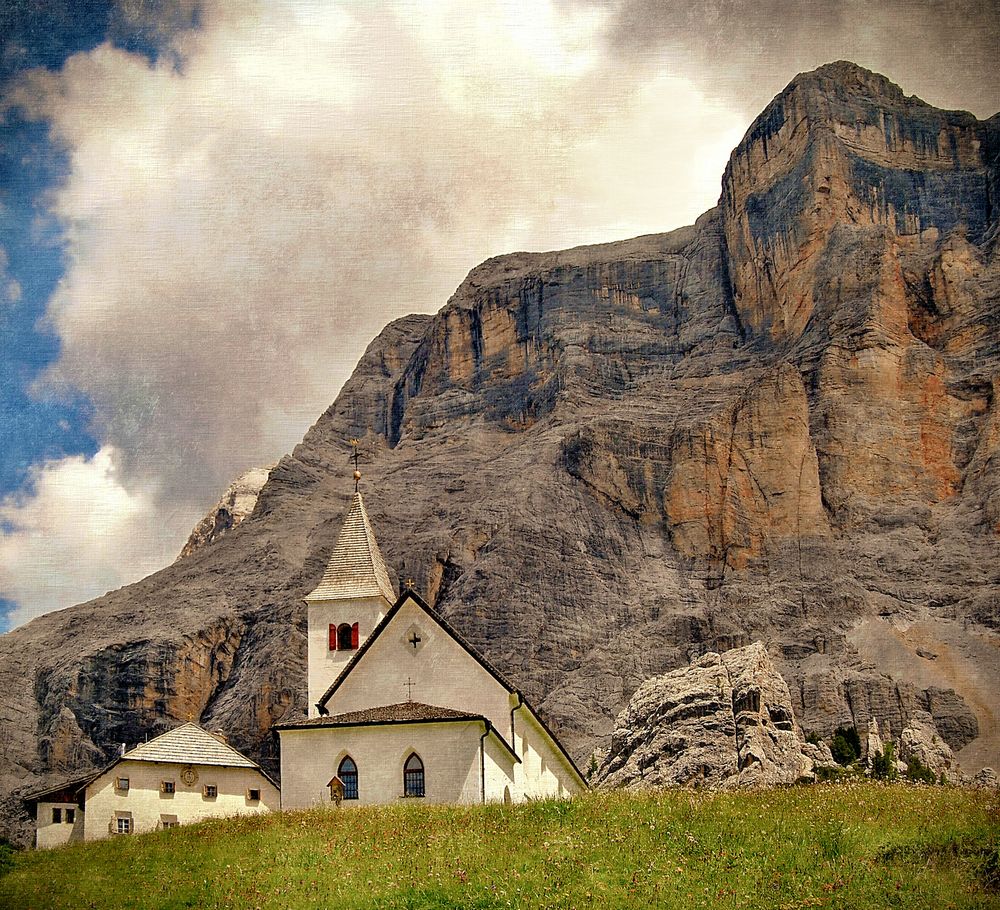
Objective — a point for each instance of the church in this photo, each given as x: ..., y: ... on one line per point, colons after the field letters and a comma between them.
x: 401, y: 706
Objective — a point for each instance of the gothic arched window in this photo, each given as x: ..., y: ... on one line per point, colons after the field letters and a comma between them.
x: 413, y: 776
x: 348, y: 774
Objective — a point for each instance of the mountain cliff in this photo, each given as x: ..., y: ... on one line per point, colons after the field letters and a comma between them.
x: 778, y: 424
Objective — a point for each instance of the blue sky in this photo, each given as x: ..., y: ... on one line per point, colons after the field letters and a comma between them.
x: 39, y: 427
x: 208, y: 209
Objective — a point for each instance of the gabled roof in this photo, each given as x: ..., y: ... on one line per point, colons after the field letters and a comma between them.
x: 188, y: 744
x: 377, y: 631
x: 408, y: 595
x: 356, y: 567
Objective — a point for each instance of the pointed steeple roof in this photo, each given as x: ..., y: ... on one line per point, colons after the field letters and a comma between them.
x: 356, y: 567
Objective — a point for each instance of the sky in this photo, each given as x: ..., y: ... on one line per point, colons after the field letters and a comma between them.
x: 208, y: 209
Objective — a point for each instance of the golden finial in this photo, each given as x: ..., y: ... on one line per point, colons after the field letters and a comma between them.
x: 409, y: 583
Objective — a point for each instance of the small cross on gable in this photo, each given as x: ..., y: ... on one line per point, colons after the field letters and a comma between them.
x: 409, y: 688
x: 415, y: 640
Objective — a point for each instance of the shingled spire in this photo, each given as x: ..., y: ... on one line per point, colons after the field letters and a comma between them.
x: 356, y: 567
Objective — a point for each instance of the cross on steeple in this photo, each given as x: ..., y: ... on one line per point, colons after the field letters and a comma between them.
x: 355, y: 456
x: 409, y: 688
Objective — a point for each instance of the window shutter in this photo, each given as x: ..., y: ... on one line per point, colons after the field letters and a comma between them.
x: 333, y: 638
x: 354, y: 635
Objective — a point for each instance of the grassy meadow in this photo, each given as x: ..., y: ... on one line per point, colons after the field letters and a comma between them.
x: 853, y: 845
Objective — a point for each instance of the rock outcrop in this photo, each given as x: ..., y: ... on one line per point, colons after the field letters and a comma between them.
x: 778, y: 424
x: 726, y: 720
x: 235, y: 504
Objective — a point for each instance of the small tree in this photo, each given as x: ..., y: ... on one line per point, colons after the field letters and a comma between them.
x: 845, y: 746
x: 918, y: 772
x: 884, y: 765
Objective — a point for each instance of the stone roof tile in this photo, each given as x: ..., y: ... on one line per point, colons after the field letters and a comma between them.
x: 189, y: 744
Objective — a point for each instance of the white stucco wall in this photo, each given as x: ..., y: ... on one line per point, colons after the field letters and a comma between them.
x: 54, y: 834
x: 147, y: 804
x: 325, y: 665
x: 499, y: 767
x: 310, y: 757
x: 443, y: 672
x: 544, y: 770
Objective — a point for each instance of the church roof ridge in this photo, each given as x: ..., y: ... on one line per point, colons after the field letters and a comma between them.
x: 355, y: 567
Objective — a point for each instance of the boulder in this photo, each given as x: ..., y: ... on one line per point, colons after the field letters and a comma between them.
x: 920, y: 740
x: 985, y: 779
x: 726, y: 720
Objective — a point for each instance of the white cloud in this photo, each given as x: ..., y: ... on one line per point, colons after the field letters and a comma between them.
x: 239, y: 228
x: 75, y: 535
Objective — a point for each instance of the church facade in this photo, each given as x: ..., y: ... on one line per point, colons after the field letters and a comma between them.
x: 401, y: 706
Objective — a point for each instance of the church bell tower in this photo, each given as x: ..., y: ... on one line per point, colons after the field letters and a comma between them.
x: 350, y: 600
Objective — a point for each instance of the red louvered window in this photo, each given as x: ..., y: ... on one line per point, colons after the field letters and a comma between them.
x: 333, y: 638
x: 354, y: 635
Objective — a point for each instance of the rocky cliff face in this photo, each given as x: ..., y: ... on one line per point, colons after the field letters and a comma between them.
x: 779, y: 424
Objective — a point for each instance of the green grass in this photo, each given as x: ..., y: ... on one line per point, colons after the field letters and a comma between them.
x: 853, y: 845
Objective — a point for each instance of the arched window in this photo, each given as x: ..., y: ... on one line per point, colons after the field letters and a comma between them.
x: 344, y: 637
x: 348, y: 774
x: 413, y: 776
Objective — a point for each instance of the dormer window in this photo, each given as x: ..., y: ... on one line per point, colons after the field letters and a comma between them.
x: 344, y: 637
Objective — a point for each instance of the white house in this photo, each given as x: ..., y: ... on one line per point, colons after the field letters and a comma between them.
x: 401, y: 706
x: 182, y: 776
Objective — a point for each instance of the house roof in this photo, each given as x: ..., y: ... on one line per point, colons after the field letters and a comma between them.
x: 189, y: 744
x: 356, y: 567
x: 407, y: 712
x: 405, y: 596
x: 74, y: 784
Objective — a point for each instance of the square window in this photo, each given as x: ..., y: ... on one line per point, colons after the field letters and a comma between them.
x: 253, y: 795
x: 169, y: 821
x: 124, y: 825
x: 56, y: 816
x: 121, y: 783
x: 210, y: 791
x: 166, y: 786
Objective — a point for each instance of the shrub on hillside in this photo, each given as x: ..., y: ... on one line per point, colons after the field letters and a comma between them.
x: 917, y: 771
x: 845, y: 746
x: 884, y: 765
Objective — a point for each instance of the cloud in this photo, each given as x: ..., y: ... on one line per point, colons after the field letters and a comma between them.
x: 76, y: 534
x: 239, y: 226
x: 746, y: 51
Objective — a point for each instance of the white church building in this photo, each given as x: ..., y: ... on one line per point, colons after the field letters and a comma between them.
x: 401, y: 706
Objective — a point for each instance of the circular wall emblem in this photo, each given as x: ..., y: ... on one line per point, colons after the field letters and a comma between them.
x: 189, y: 775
